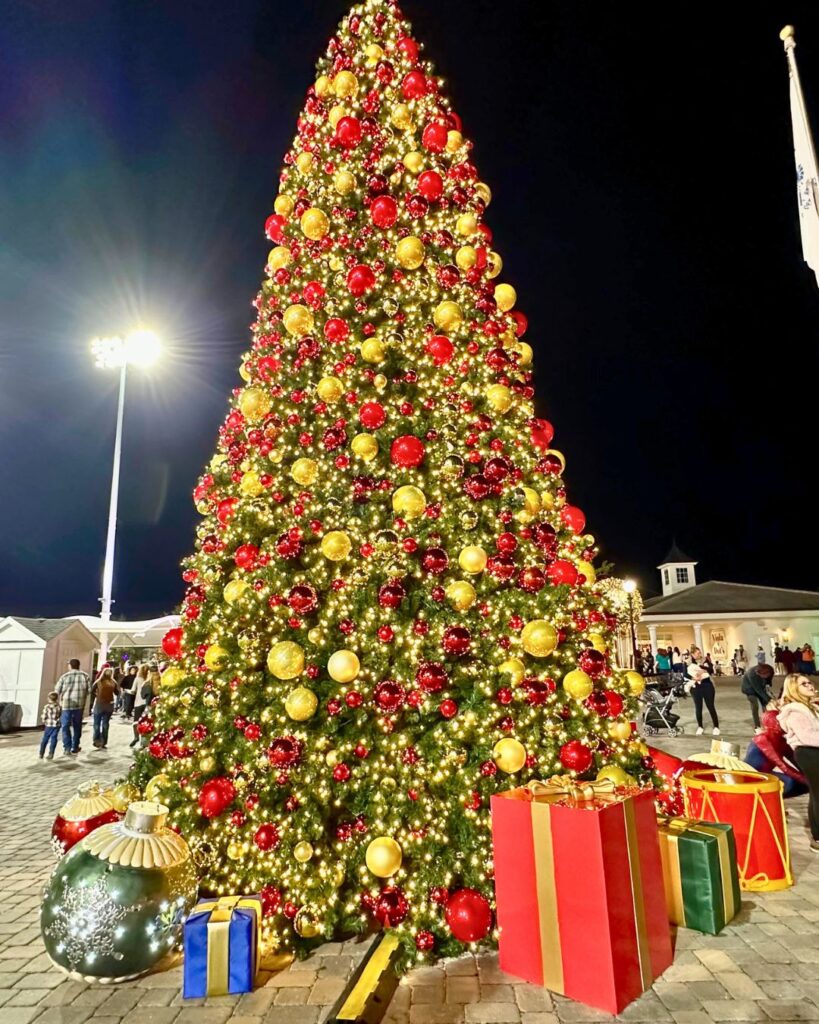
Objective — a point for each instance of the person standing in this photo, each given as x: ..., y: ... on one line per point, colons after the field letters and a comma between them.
x: 663, y: 661
x: 703, y: 692
x: 788, y: 659
x: 50, y: 717
x: 755, y: 686
x: 779, y: 664
x: 104, y: 692
x: 72, y: 689
x: 707, y: 664
x: 129, y: 691
x: 808, y: 660
x: 144, y: 695
x: 760, y: 655
x: 677, y: 663
x: 648, y: 660
x: 742, y: 659
x: 799, y: 718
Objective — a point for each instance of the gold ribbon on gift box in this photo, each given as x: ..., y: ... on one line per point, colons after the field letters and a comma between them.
x: 561, y: 788
x: 673, y: 828
x: 221, y: 911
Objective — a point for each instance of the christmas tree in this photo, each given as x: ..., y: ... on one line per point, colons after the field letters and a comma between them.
x: 391, y: 612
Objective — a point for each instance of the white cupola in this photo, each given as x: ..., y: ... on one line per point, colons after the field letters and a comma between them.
x: 677, y: 572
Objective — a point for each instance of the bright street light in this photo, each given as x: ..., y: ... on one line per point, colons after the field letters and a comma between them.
x: 629, y: 586
x: 141, y: 347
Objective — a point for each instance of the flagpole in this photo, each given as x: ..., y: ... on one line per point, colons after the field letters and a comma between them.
x: 788, y: 37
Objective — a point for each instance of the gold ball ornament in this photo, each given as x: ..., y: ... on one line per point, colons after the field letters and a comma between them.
x: 383, y: 857
x: 505, y: 297
x: 283, y: 205
x: 322, y: 85
x: 298, y: 320
x: 207, y: 762
x: 454, y: 141
x: 343, y: 666
x: 410, y: 252
x: 279, y: 257
x: 539, y: 638
x: 315, y: 635
x: 345, y: 84
x: 305, y: 163
x: 401, y: 117
x: 466, y: 257
x: 255, y: 404
x: 448, y: 316
x: 304, y: 471
x: 472, y: 559
x: 244, y: 372
x: 155, y: 786
x: 525, y: 353
x: 466, y: 224
x: 330, y: 389
x: 336, y: 114
x: 588, y: 571
x: 373, y: 54
x: 620, y: 730
x: 494, y: 264
x: 373, y: 351
x: 577, y: 684
x: 597, y: 642
x: 285, y: 660
x: 306, y: 924
x: 414, y: 162
x: 303, y: 851
x: 614, y: 773
x: 233, y: 592
x: 483, y: 192
x: 365, y: 446
x: 515, y: 669
x: 173, y: 677
x: 561, y: 458
x: 509, y: 755
x: 301, y: 704
x: 216, y: 657
x: 461, y: 595
x: 344, y: 182
x: 336, y: 545
x: 314, y: 223
x: 250, y: 484
x: 409, y: 501
x: 499, y: 397
x: 122, y: 795
x: 635, y: 682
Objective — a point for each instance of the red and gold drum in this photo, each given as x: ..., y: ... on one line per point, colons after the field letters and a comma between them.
x: 752, y: 803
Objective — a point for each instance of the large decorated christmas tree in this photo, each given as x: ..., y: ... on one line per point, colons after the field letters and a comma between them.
x: 391, y: 612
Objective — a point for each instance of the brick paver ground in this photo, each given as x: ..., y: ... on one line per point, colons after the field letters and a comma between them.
x: 763, y: 967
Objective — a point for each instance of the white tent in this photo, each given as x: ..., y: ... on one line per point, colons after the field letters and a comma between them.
x: 144, y: 633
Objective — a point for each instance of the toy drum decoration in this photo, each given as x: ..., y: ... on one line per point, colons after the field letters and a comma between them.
x: 752, y: 803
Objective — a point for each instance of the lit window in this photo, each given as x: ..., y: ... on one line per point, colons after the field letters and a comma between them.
x: 682, y: 575
x: 665, y: 576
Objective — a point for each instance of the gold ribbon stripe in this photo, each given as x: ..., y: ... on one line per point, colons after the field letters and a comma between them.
x: 221, y: 912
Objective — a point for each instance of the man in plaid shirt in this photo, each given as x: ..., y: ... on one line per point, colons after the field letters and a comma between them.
x: 73, y: 688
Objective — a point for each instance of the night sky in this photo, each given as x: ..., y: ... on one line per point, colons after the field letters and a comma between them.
x: 642, y: 169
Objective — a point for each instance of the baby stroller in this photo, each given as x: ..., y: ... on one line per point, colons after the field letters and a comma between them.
x: 659, y: 697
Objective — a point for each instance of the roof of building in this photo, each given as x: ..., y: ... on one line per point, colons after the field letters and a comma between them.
x: 716, y: 597
x: 45, y: 629
x: 675, y: 555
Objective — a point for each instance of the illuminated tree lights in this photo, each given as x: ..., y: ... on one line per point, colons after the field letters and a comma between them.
x: 389, y: 587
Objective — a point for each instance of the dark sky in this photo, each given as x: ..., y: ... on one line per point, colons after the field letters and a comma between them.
x: 642, y: 168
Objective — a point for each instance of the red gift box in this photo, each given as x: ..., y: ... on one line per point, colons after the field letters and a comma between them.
x: 580, y: 893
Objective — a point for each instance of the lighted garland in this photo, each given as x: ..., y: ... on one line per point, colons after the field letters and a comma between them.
x: 392, y: 610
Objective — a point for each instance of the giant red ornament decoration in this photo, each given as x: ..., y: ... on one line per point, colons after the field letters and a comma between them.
x: 215, y: 796
x: 407, y: 451
x: 574, y: 518
x: 562, y: 572
x: 575, y: 756
x: 172, y: 642
x: 89, y: 808
x: 468, y: 915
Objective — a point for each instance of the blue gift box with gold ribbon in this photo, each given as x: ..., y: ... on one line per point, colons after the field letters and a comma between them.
x: 221, y: 942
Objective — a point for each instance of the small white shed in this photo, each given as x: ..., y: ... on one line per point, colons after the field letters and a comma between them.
x: 34, y: 653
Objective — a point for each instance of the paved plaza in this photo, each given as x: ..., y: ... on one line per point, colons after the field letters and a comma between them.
x: 762, y: 967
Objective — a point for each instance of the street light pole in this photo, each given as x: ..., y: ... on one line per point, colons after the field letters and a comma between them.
x: 630, y: 586
x: 111, y: 538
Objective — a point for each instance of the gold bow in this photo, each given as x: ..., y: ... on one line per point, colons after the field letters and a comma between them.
x: 564, y: 786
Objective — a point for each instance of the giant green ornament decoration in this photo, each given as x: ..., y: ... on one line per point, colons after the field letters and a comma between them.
x: 114, y: 906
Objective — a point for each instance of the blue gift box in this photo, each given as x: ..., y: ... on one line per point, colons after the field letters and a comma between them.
x: 221, y: 942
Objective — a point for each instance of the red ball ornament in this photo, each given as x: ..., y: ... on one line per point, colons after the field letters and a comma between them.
x: 274, y: 227
x: 246, y: 556
x: 252, y: 732
x: 506, y: 543
x: 456, y: 641
x: 468, y: 915
x: 336, y: 330
x: 408, y: 47
x: 531, y: 579
x: 348, y: 132
x: 384, y: 211
x: 424, y: 941
x: 215, y: 796
x: 434, y: 137
x: 267, y: 837
x: 360, y: 280
x: 372, y: 416
x: 414, y: 85
x: 434, y: 561
x: 271, y: 898
x: 592, y: 662
x: 448, y: 708
x: 431, y: 677
x: 430, y: 185
x: 575, y: 756
x: 342, y: 773
x: 615, y: 703
x: 407, y: 451
x: 389, y: 695
x: 172, y: 643
x: 390, y: 595
x: 284, y: 751
x: 574, y: 518
x: 542, y: 434
x: 562, y: 572
x: 65, y: 831
x: 441, y: 349
x: 303, y: 599
x: 391, y: 907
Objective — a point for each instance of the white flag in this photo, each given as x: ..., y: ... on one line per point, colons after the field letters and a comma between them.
x: 807, y: 177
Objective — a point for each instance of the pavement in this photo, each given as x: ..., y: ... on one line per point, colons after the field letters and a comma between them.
x: 763, y: 967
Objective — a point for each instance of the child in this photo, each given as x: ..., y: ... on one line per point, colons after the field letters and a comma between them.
x: 50, y: 717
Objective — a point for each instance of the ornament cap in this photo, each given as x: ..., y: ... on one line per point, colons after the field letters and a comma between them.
x: 146, y: 816
x: 788, y: 32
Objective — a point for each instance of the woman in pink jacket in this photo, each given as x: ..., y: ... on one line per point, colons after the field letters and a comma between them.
x: 799, y: 718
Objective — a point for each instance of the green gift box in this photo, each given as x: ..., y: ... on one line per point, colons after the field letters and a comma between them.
x: 700, y: 873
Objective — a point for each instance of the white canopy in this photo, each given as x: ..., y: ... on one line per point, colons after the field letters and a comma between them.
x: 145, y: 633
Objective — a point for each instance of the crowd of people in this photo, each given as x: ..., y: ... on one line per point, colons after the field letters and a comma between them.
x: 126, y: 690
